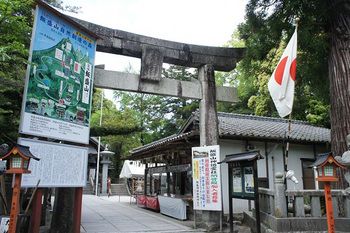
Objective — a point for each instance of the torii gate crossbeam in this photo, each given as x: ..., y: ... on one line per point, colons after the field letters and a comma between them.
x: 153, y: 52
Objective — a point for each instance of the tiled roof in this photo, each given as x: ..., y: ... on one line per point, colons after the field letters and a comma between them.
x: 172, y: 138
x: 255, y: 127
x: 231, y: 124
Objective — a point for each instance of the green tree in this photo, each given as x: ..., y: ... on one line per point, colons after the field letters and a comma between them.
x: 16, y: 21
x: 265, y: 33
x: 323, y: 58
x: 159, y: 116
x: 15, y: 28
x: 116, y: 130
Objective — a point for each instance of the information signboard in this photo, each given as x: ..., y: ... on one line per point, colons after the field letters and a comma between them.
x: 60, y: 165
x: 242, y: 174
x: 206, y: 178
x: 4, y: 224
x: 59, y: 80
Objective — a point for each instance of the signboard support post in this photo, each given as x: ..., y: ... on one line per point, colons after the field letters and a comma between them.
x: 230, y: 197
x: 78, y: 199
x: 36, y: 212
x: 15, y: 203
x: 256, y: 197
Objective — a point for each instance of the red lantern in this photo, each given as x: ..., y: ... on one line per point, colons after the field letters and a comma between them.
x: 326, y: 167
x: 18, y: 163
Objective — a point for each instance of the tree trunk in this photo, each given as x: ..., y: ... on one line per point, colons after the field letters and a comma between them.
x: 339, y: 74
x: 62, y: 218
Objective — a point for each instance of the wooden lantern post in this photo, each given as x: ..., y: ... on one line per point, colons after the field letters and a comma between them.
x: 17, y: 163
x: 326, y: 168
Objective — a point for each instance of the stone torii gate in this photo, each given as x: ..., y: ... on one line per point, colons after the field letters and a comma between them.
x: 153, y: 52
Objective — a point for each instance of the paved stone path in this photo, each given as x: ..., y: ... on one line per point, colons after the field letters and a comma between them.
x: 116, y: 214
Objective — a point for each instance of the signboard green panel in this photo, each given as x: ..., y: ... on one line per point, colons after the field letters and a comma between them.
x: 59, y: 81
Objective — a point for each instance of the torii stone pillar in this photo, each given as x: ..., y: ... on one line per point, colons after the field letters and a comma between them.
x: 208, y: 127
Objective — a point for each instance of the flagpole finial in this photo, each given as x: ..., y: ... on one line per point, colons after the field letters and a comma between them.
x: 296, y: 21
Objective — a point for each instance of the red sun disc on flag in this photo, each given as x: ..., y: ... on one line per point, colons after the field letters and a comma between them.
x: 293, y: 69
x: 280, y: 70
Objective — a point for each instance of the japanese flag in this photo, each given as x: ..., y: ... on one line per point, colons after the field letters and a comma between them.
x: 281, y: 83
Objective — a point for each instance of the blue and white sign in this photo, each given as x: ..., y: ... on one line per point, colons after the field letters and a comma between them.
x: 206, y: 178
x: 59, y: 80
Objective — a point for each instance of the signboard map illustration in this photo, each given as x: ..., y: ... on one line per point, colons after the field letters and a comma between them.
x: 59, y: 82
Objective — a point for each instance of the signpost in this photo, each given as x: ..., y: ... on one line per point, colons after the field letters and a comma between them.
x: 57, y: 102
x: 243, y: 181
x: 59, y: 79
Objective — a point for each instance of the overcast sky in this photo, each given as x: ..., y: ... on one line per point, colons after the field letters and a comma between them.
x: 202, y: 22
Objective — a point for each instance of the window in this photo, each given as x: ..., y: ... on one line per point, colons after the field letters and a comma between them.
x: 16, y: 162
x: 320, y: 171
x: 328, y: 170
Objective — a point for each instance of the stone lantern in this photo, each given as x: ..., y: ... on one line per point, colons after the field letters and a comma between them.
x: 105, y: 161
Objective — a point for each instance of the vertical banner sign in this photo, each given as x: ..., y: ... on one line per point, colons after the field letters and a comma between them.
x: 59, y: 80
x: 206, y: 178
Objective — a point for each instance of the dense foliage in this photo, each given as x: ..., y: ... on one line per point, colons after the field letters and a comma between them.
x: 15, y: 29
x: 267, y: 29
x: 159, y: 116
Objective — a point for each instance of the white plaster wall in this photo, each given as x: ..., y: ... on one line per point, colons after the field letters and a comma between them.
x: 296, y: 152
x: 228, y: 147
x: 275, y: 164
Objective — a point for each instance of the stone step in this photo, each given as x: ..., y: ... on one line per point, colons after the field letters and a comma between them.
x: 119, y: 189
x: 88, y: 189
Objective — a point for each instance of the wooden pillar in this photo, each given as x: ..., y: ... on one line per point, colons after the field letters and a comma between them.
x: 168, y: 183
x: 208, y: 127
x: 174, y: 183
x: 145, y: 180
x: 15, y: 203
x: 78, y: 201
x: 183, y: 183
x: 35, y: 219
x: 151, y: 183
x: 329, y: 207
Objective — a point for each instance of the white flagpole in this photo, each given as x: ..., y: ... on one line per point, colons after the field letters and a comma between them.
x: 99, y: 149
x: 289, y: 120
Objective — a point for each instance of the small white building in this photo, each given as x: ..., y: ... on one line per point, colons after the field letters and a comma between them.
x: 238, y: 133
x: 132, y: 169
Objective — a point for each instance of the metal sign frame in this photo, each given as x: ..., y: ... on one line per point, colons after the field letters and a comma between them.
x: 240, y: 162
